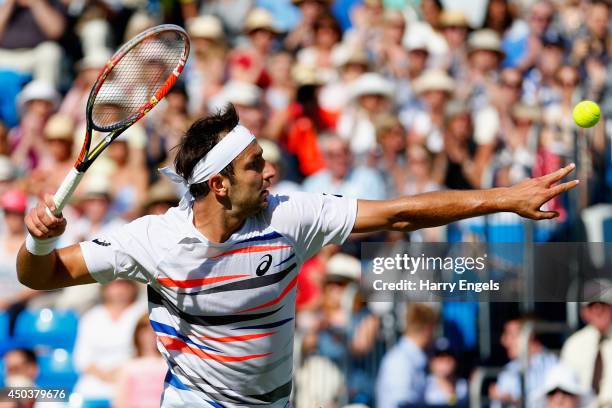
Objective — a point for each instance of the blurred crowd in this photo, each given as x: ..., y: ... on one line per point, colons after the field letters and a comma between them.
x: 370, y: 99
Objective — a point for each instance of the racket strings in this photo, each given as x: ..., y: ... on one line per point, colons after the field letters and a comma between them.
x: 136, y: 78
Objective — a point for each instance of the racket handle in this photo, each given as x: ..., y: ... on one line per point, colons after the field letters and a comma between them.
x: 64, y: 192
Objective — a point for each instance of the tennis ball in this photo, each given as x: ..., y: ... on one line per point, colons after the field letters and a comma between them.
x: 586, y: 114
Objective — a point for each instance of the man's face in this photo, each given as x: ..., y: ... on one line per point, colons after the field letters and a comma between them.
x: 16, y: 364
x: 510, y: 338
x: 561, y: 399
x: 248, y: 192
x: 599, y: 315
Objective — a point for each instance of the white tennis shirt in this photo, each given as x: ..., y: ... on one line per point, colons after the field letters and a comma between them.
x: 224, y: 313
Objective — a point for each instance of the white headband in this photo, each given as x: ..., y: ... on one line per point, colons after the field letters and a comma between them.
x: 215, y: 160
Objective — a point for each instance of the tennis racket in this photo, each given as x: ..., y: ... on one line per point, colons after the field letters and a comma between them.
x: 134, y: 80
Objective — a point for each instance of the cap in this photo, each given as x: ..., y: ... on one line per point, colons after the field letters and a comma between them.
x: 260, y: 19
x: 15, y: 201
x: 434, y: 80
x: 305, y: 75
x: 241, y: 93
x: 527, y: 112
x: 271, y: 152
x: 161, y: 192
x: 414, y: 42
x: 345, y: 55
x: 97, y: 185
x: 485, y: 40
x: 371, y: 83
x: 38, y: 90
x: 206, y: 26
x: 343, y: 267
x: 563, y: 377
x: 7, y: 170
x: 453, y: 18
x: 597, y: 291
x: 59, y: 127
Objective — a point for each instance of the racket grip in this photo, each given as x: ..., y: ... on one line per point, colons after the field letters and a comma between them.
x: 64, y: 192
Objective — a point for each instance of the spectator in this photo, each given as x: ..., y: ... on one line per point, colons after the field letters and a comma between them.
x: 589, y: 351
x: 205, y: 70
x: 14, y: 295
x: 140, y: 381
x: 462, y: 170
x: 28, y: 31
x: 273, y: 157
x: 75, y: 100
x: 340, y: 176
x: 327, y: 34
x: 95, y: 204
x: 523, y: 43
x: 402, y: 374
x: 248, y: 101
x: 302, y: 35
x: 443, y: 387
x: 8, y: 174
x: 305, y: 120
x: 499, y: 16
x: 371, y: 95
x: 484, y: 58
x: 160, y: 198
x: 425, y: 123
x: 351, y: 63
x: 20, y: 367
x: 130, y: 180
x: 348, y: 330
x: 390, y: 155
x: 428, y: 31
x: 593, y: 40
x: 391, y: 57
x: 36, y: 103
x: 59, y: 138
x: 455, y: 28
x: 540, y: 81
x: 419, y: 180
x: 507, y: 389
x: 105, y: 339
x: 248, y: 64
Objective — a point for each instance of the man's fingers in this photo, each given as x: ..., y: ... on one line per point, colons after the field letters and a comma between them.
x: 547, y: 215
x: 561, y: 188
x: 553, y: 177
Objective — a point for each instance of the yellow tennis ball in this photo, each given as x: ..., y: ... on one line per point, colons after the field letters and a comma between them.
x: 586, y: 114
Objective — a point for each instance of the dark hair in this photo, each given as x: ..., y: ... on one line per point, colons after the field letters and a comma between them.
x: 328, y: 19
x: 201, y: 137
x: 28, y: 354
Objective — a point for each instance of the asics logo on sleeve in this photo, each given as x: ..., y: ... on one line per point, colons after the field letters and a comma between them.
x: 265, y: 265
x: 101, y: 242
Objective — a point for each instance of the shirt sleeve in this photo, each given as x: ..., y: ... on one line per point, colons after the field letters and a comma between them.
x: 312, y: 221
x: 125, y: 253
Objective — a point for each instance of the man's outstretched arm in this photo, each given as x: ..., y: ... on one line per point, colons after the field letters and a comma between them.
x: 61, y: 268
x: 443, y: 207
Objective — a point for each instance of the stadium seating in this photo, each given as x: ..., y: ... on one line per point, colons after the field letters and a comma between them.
x: 46, y: 328
x: 56, y: 370
x: 5, y: 340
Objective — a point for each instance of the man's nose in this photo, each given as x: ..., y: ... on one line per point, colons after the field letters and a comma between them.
x: 269, y: 171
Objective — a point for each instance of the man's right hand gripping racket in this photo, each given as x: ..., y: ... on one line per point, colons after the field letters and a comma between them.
x: 134, y: 80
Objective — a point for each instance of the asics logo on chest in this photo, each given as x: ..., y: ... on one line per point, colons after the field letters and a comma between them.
x: 264, y: 265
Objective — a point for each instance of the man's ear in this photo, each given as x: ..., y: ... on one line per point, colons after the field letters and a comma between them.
x: 217, y: 185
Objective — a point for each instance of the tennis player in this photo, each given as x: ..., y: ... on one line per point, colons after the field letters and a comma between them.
x: 221, y: 268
